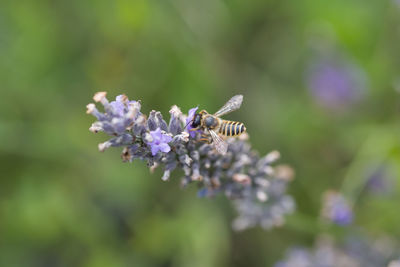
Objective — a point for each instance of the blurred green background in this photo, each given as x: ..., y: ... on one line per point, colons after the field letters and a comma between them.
x: 62, y: 203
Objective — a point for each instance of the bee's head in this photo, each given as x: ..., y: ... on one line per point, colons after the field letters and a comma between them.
x: 196, y: 120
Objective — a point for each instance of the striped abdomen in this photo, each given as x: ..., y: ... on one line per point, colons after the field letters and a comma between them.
x: 231, y: 128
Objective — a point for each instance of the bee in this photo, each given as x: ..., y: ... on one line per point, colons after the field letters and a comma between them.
x: 215, y: 127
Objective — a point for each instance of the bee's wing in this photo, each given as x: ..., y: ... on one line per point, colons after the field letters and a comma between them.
x: 219, y: 143
x: 233, y: 104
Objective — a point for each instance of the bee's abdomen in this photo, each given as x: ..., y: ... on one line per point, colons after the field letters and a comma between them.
x: 231, y: 128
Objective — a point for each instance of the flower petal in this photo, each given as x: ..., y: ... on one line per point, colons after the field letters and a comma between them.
x: 154, y: 149
x: 164, y: 148
x: 166, y: 138
x: 156, y: 134
x: 191, y: 113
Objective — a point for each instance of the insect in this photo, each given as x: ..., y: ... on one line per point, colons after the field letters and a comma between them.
x: 216, y: 127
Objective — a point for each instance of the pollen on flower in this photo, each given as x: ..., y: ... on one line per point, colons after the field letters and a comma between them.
x: 99, y: 96
x: 148, y: 138
x: 268, y: 170
x: 196, y: 176
x: 242, y: 178
x: 103, y: 146
x: 284, y: 172
x: 123, y: 98
x: 96, y: 127
x: 273, y: 156
x: 90, y: 108
x: 175, y: 111
x: 244, y: 136
x: 262, y: 196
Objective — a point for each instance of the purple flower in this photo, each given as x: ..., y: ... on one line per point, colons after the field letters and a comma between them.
x: 335, y: 84
x: 159, y: 142
x: 118, y: 106
x: 337, y: 209
x: 175, y: 123
x: 189, y: 120
x: 351, y: 252
x: 298, y: 257
x: 379, y: 182
x: 342, y: 214
x: 395, y: 263
x: 118, y: 117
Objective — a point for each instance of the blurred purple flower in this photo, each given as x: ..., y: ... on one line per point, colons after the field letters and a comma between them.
x: 335, y: 84
x: 356, y: 251
x: 378, y: 182
x: 337, y: 209
x: 159, y: 142
x: 189, y: 120
x: 395, y: 263
x: 299, y: 257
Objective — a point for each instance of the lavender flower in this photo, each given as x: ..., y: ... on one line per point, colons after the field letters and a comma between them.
x: 189, y: 119
x: 258, y: 189
x: 394, y: 263
x: 298, y: 257
x: 379, y: 181
x: 335, y: 84
x: 354, y: 252
x: 336, y: 208
x: 159, y: 142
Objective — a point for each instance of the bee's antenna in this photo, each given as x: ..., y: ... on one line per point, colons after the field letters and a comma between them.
x: 188, y: 123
